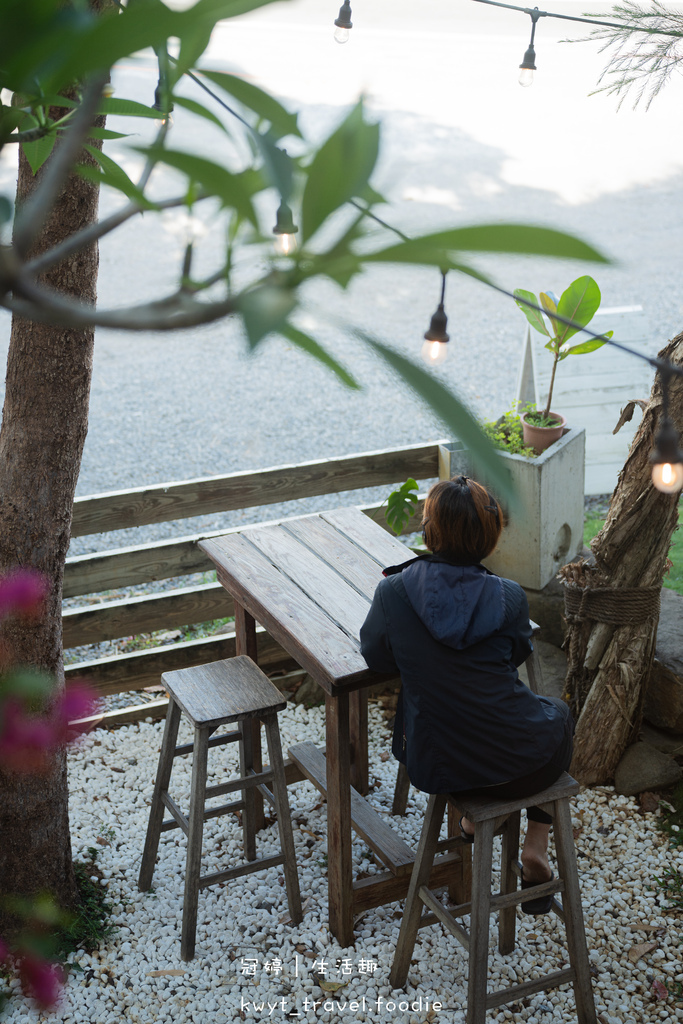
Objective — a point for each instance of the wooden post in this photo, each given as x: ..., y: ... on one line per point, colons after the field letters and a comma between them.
x: 245, y: 643
x: 340, y: 874
x: 358, y: 726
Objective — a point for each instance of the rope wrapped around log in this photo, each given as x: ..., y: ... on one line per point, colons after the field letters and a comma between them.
x: 619, y: 606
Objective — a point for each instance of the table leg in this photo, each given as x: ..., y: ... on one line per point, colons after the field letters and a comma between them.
x: 358, y: 724
x: 339, y: 871
x: 245, y: 643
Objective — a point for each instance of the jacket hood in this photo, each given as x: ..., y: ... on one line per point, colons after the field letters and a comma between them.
x: 460, y: 605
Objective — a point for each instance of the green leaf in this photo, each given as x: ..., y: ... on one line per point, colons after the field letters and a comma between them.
x: 31, y: 685
x: 10, y: 118
x: 126, y: 108
x: 579, y: 302
x: 232, y: 189
x: 113, y: 176
x: 200, y: 110
x: 37, y: 152
x: 534, y: 317
x: 265, y: 310
x: 73, y: 43
x: 310, y: 345
x: 340, y: 170
x: 509, y: 238
x: 192, y: 45
x: 262, y: 103
x: 587, y: 346
x: 278, y: 167
x: 106, y: 133
x: 402, y: 505
x: 454, y: 415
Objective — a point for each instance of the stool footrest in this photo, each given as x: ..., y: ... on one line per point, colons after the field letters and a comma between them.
x: 246, y: 783
x: 527, y: 988
x: 180, y: 821
x: 211, y: 812
x: 242, y: 869
x: 214, y: 741
x: 446, y: 918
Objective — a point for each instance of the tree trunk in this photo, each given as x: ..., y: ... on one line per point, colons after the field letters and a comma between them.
x: 44, y: 425
x: 612, y: 632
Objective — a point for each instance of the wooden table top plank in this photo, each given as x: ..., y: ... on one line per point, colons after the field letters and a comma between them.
x: 296, y: 622
x: 310, y: 571
x: 354, y: 565
x: 376, y: 542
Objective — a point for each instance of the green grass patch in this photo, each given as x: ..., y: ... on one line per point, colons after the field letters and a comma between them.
x: 674, y: 578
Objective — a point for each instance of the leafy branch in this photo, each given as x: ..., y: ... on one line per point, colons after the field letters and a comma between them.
x: 646, y: 50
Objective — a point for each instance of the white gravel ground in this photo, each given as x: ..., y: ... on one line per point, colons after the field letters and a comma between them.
x: 139, y: 976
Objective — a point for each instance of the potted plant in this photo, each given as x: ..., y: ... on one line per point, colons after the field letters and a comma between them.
x: 578, y: 303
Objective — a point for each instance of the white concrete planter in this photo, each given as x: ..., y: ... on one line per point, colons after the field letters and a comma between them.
x: 549, y: 531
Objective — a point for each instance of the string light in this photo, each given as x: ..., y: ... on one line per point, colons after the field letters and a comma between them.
x: 435, y: 345
x: 667, y: 458
x: 343, y: 23
x: 285, y: 230
x: 528, y: 65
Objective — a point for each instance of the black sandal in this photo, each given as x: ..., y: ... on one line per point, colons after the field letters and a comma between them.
x: 540, y: 905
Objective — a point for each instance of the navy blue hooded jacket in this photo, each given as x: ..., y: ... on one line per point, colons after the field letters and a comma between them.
x: 455, y: 634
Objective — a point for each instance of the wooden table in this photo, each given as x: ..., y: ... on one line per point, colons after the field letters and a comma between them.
x: 309, y: 582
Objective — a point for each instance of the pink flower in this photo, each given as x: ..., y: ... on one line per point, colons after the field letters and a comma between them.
x: 26, y: 742
x: 78, y: 701
x: 40, y: 979
x: 22, y: 592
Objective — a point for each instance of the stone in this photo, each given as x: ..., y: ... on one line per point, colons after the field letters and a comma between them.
x: 663, y: 705
x: 644, y: 767
x: 668, y: 742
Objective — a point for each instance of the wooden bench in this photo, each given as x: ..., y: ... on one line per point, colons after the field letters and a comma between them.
x: 384, y: 842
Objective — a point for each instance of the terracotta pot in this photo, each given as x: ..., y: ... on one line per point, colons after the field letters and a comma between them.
x: 540, y: 438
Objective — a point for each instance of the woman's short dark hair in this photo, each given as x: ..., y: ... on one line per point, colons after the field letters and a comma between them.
x: 461, y: 519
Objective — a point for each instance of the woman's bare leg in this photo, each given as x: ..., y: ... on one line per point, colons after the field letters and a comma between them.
x: 534, y: 852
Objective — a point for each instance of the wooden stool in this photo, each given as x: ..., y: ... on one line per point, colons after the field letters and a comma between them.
x: 488, y: 816
x: 235, y: 690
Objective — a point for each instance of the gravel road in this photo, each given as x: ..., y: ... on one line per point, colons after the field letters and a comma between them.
x: 461, y: 143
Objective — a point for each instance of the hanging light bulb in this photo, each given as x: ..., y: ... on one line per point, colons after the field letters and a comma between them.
x: 435, y: 346
x: 528, y: 65
x: 667, y: 459
x: 285, y: 230
x: 343, y: 23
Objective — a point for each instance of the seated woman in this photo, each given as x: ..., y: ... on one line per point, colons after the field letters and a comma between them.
x: 456, y: 633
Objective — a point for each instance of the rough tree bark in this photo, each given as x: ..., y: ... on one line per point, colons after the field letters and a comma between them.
x: 45, y: 419
x: 611, y: 637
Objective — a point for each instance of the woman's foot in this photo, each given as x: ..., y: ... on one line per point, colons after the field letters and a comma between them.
x: 536, y: 867
x: 466, y: 829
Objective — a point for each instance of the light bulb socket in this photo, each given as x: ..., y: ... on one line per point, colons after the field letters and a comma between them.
x: 284, y: 221
x: 437, y: 326
x: 344, y: 18
x: 529, y: 61
x: 159, y: 101
x: 666, y: 445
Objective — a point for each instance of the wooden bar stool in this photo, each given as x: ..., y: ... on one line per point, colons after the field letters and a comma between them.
x: 235, y: 690
x: 488, y: 817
